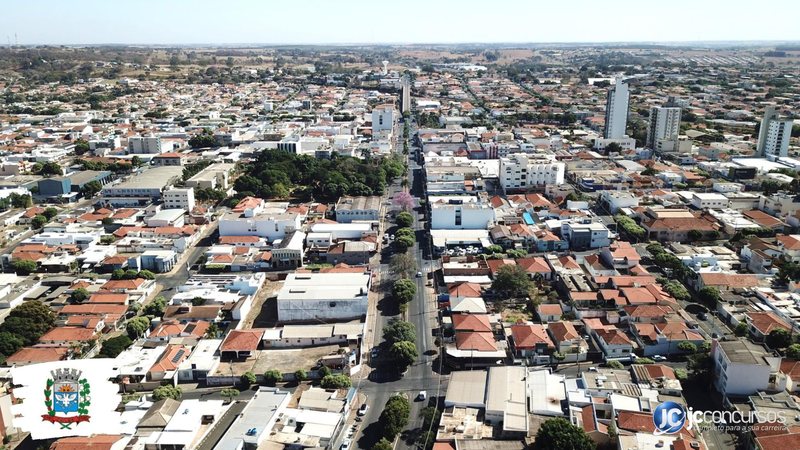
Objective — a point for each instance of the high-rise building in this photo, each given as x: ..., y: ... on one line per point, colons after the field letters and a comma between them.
x: 405, y: 101
x: 773, y: 137
x: 382, y: 118
x: 617, y: 110
x: 664, y: 125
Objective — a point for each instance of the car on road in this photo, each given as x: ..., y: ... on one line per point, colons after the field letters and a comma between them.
x: 592, y: 369
x: 345, y: 445
x: 659, y: 358
x: 702, y: 316
x: 422, y: 395
x: 419, y: 274
x: 363, y: 409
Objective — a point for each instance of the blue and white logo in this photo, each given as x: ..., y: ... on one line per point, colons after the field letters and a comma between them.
x: 669, y: 418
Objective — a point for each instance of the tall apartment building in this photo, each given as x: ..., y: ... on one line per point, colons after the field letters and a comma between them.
x: 147, y: 145
x: 773, y: 137
x: 519, y: 172
x: 405, y: 102
x: 179, y: 198
x: 382, y: 118
x: 664, y: 125
x: 617, y: 110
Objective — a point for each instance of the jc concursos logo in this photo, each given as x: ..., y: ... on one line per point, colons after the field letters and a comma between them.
x: 669, y: 418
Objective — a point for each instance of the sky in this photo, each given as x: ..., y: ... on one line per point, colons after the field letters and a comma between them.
x: 405, y: 21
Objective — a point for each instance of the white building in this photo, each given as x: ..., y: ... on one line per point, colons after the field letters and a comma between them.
x: 616, y: 110
x: 463, y: 212
x: 664, y: 125
x: 519, y: 171
x: 307, y: 296
x: 167, y: 218
x: 349, y: 209
x: 179, y: 198
x: 263, y: 224
x: 215, y: 176
x: 383, y: 118
x: 774, y: 134
x: 148, y: 145
x: 619, y: 199
x: 741, y: 367
x: 583, y: 234
x: 709, y: 200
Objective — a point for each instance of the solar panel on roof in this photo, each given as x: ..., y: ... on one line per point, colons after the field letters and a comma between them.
x: 178, y: 356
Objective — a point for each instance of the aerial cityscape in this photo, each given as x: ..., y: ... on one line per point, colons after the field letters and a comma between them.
x: 398, y: 234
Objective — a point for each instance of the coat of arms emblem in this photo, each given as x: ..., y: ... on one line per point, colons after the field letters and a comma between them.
x: 67, y: 398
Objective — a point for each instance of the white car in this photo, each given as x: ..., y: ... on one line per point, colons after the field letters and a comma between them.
x: 422, y: 395
x: 345, y: 445
x: 592, y: 369
x: 659, y: 358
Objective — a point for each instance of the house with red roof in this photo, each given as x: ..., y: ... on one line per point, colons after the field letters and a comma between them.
x: 241, y: 344
x: 530, y: 341
x: 663, y: 338
x: 613, y: 342
x: 36, y: 355
x: 761, y: 324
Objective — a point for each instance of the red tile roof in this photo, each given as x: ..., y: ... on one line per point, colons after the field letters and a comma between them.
x: 530, y: 335
x: 483, y: 342
x: 242, y: 340
x: 471, y: 322
x: 29, y: 355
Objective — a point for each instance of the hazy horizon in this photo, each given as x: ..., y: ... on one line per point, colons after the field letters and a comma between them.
x: 358, y: 22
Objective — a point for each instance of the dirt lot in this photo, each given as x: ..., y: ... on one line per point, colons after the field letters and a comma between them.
x: 284, y: 360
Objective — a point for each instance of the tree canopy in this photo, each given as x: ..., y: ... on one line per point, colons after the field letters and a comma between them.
x: 404, y: 352
x: 404, y: 219
x: 162, y: 392
x: 399, y: 330
x: 29, y: 321
x: 112, y: 347
x: 512, y: 280
x: 559, y: 433
x: 337, y: 381
x: 394, y: 416
x: 404, y: 290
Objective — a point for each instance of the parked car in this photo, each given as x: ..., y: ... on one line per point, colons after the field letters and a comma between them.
x: 345, y: 444
x: 702, y: 316
x: 363, y: 409
x: 592, y: 369
x: 422, y: 395
x: 419, y: 274
x: 659, y: 358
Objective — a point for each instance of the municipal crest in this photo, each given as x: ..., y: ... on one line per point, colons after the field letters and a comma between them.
x: 67, y: 398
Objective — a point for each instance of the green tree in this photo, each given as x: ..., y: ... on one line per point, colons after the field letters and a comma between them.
x: 91, y: 189
x: 792, y: 351
x: 229, y: 393
x: 655, y: 249
x: 112, y: 347
x: 156, y: 307
x: 10, y: 343
x: 695, y: 235
x: 398, y: 331
x: 38, y: 221
x: 79, y: 295
x: 338, y: 381
x: 383, y: 444
x: 404, y: 352
x: 494, y: 248
x: 117, y: 274
x: 147, y: 275
x: 403, y: 243
x: 644, y: 361
x: 81, y: 146
x: 247, y: 379
x: 741, y: 329
x: 162, y: 392
x: 49, y: 169
x: 50, y: 212
x: 778, y: 338
x: 394, y: 416
x: 677, y: 290
x: 614, y: 364
x: 213, y: 331
x: 137, y: 327
x: 29, y: 321
x: 273, y: 376
x: 709, y: 295
x: 324, y: 371
x: 24, y: 266
x: 512, y: 280
x: 136, y: 161
x: 688, y: 347
x: 560, y: 434
x: 300, y: 375
x: 403, y: 290
x: 404, y: 219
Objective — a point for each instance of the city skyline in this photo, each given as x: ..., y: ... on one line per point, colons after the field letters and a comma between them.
x: 250, y: 22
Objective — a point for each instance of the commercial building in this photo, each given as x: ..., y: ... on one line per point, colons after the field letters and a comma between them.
x: 774, y: 134
x: 215, y: 176
x: 349, y: 209
x: 462, y: 212
x: 269, y: 223
x: 519, y: 172
x: 253, y: 426
x: 307, y: 296
x: 141, y: 188
x: 664, y: 125
x: 616, y: 110
x: 60, y: 186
